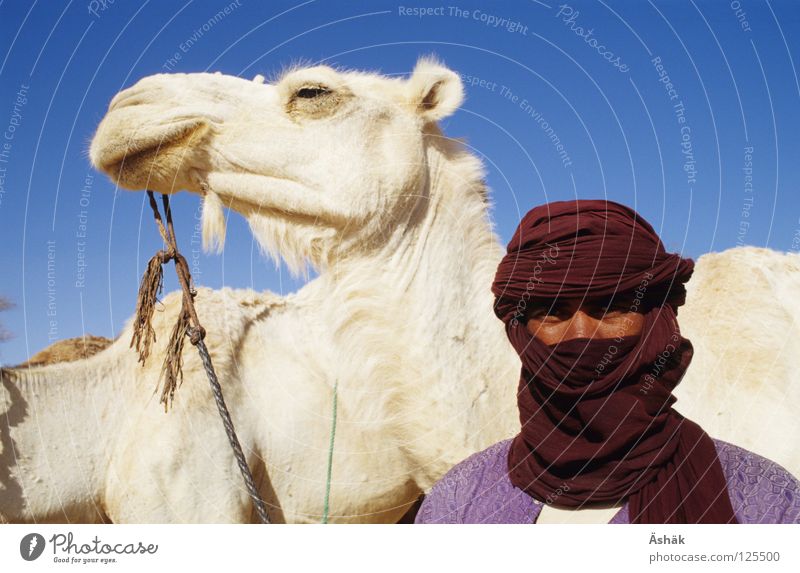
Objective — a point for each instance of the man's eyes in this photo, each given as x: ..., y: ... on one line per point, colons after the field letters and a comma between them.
x: 611, y: 305
x: 612, y: 309
x: 550, y: 312
x: 538, y: 313
x: 608, y: 309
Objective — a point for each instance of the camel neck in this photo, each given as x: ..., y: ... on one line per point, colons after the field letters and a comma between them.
x: 444, y: 242
x: 435, y: 276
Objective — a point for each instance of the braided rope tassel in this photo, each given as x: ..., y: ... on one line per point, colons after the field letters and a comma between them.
x: 187, y: 324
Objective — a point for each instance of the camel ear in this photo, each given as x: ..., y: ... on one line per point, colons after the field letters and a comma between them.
x: 433, y: 90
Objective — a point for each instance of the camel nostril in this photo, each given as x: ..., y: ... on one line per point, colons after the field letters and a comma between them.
x: 121, y: 100
x: 132, y: 96
x: 130, y: 101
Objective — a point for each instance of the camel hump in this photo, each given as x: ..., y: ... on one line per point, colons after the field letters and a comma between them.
x: 69, y: 350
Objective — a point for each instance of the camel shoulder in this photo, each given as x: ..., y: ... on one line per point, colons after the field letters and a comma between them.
x: 219, y: 306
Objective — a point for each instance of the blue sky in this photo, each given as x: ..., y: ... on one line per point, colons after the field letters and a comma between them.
x: 712, y: 164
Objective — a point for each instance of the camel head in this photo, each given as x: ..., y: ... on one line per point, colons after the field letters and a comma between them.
x: 318, y: 162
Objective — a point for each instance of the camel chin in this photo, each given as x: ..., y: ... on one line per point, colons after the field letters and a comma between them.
x: 154, y: 162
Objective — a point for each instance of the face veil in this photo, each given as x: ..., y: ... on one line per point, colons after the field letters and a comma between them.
x: 596, y: 414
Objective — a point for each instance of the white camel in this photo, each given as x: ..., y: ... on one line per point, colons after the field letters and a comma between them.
x: 348, y: 171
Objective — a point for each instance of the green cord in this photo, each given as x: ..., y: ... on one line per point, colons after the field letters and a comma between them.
x: 325, y: 507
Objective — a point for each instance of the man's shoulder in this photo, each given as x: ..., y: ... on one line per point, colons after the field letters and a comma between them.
x: 738, y: 462
x: 489, y: 465
x: 477, y: 490
x: 761, y: 490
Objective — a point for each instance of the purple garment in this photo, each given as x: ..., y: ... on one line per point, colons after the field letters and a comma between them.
x: 478, y: 490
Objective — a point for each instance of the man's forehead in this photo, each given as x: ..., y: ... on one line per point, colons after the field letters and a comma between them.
x: 589, y: 299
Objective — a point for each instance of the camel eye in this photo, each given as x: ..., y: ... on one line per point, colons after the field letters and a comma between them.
x: 311, y: 92
x: 314, y: 101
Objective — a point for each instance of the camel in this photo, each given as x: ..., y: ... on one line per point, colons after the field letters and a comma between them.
x: 348, y: 172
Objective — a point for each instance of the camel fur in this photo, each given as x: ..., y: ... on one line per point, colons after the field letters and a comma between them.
x: 346, y: 171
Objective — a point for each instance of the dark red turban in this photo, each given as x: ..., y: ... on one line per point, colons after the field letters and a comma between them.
x: 597, y: 418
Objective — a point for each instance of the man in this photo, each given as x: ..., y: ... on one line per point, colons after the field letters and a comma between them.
x: 589, y: 297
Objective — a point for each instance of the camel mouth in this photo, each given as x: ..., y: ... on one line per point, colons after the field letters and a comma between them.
x: 131, y: 155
